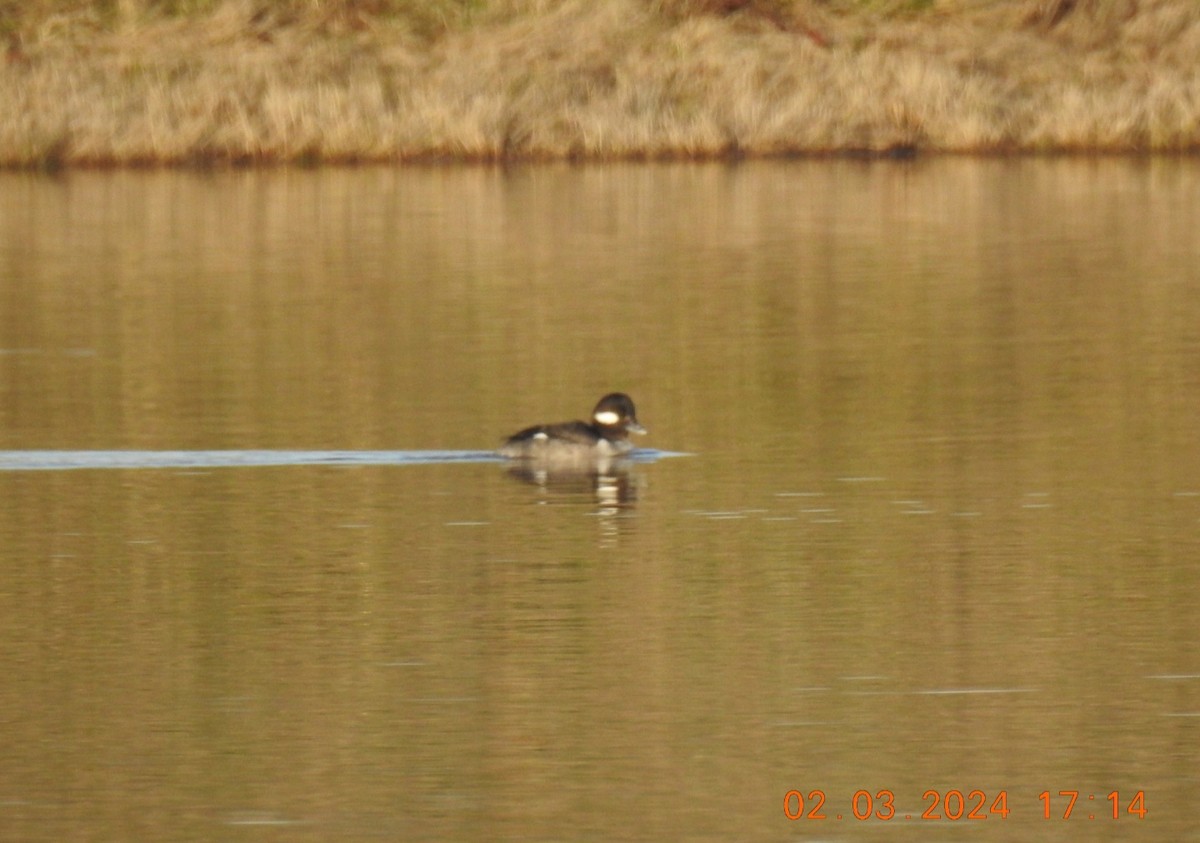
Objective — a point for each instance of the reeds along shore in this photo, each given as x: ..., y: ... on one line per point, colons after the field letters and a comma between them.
x: 129, y: 82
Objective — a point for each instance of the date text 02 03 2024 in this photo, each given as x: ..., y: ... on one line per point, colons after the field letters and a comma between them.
x: 954, y: 805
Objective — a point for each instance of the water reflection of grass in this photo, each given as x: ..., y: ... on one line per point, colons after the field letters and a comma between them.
x: 170, y: 81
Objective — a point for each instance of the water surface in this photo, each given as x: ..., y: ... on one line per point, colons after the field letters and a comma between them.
x: 940, y: 530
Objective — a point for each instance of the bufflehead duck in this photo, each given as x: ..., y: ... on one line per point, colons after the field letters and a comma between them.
x: 607, y: 434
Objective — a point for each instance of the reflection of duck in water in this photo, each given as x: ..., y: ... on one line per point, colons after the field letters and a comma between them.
x: 579, y: 444
x: 607, y: 481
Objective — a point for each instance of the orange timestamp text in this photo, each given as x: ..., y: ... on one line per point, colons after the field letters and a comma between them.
x: 957, y: 805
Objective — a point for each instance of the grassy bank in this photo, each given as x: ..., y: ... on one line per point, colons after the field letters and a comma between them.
x: 179, y: 81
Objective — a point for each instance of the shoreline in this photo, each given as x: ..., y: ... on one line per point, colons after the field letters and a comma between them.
x: 606, y: 80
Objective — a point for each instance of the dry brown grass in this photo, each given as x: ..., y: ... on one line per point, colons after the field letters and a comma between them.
x: 141, y: 82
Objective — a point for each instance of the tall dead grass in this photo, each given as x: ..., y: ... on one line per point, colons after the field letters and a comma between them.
x: 145, y: 82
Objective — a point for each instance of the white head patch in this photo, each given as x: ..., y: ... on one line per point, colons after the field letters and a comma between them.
x: 540, y: 436
x: 606, y: 417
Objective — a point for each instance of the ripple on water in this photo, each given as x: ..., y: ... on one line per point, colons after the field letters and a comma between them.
x: 67, y: 460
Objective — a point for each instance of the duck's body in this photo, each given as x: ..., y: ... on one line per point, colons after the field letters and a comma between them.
x: 605, y: 436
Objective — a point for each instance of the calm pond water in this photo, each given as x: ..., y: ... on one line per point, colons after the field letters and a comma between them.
x: 938, y: 532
